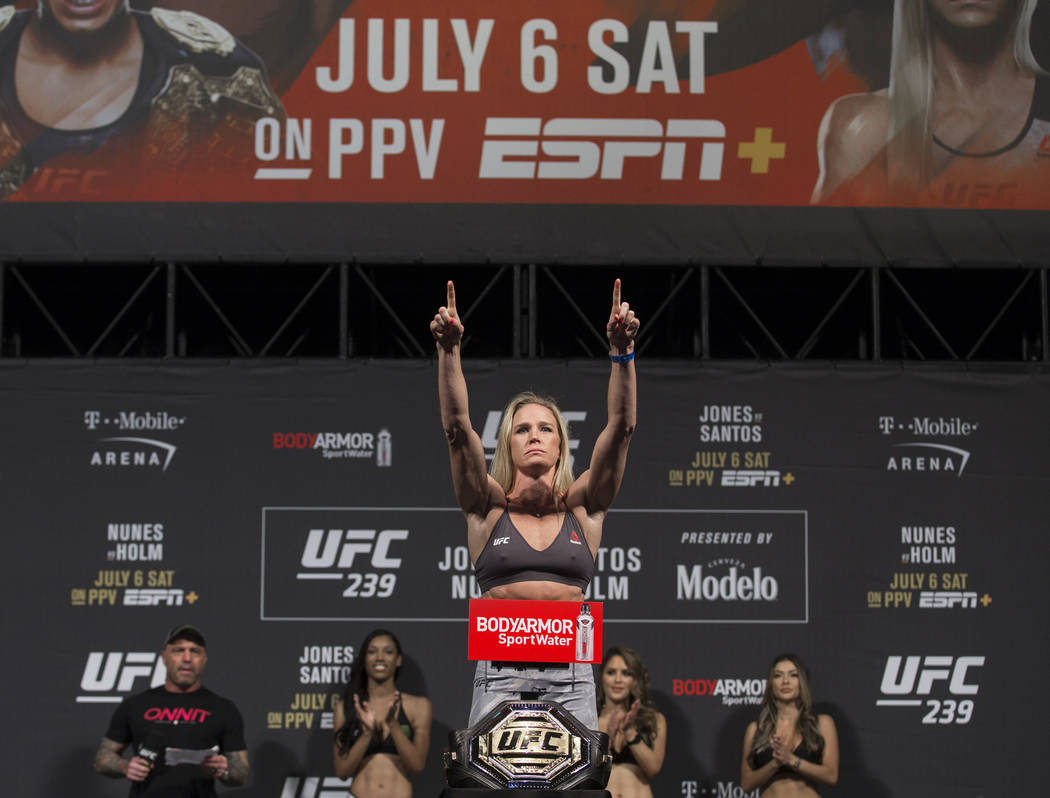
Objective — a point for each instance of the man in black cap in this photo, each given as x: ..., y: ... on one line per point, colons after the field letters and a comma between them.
x: 183, y: 736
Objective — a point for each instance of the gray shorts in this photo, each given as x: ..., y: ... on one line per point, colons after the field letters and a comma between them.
x: 571, y: 685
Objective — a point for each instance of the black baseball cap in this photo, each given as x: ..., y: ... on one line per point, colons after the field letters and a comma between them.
x: 185, y: 632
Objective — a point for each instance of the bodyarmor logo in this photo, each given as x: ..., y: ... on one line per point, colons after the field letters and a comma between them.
x: 340, y: 445
x: 733, y: 692
x: 108, y: 677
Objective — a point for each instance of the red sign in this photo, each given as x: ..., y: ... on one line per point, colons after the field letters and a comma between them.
x: 535, y: 631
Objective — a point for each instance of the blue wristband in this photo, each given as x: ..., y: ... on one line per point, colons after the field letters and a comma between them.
x: 622, y: 358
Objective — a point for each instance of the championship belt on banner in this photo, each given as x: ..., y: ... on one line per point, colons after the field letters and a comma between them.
x: 534, y: 745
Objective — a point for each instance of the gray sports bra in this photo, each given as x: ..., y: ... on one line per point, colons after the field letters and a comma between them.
x: 508, y: 558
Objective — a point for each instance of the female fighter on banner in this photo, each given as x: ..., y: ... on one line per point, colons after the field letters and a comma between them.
x: 967, y: 103
x: 548, y: 526
x: 789, y: 750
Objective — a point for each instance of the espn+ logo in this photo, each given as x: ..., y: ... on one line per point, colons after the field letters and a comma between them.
x: 585, y: 148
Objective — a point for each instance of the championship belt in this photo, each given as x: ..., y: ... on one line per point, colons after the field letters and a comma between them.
x: 536, y: 745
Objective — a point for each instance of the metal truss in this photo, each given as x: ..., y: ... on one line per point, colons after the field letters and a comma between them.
x: 347, y: 310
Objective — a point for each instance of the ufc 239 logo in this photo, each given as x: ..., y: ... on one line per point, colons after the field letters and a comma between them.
x: 338, y: 548
x: 108, y: 676
x: 333, y: 553
x: 906, y: 681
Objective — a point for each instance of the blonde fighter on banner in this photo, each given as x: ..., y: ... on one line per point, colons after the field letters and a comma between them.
x: 966, y: 114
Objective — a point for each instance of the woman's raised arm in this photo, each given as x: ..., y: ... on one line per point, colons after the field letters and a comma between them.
x: 596, y: 488
x: 470, y: 479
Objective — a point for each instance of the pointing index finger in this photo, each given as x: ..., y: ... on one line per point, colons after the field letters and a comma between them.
x: 616, y: 296
x: 451, y: 303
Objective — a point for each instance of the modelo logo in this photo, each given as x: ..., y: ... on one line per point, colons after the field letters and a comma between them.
x: 337, y: 548
x: 919, y: 675
x: 737, y: 585
x: 315, y: 787
x: 587, y: 148
x: 118, y: 672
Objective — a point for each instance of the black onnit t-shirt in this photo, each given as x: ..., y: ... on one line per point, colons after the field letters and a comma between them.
x: 195, y: 721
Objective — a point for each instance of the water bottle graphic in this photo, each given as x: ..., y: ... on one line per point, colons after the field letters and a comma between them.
x: 585, y: 634
x: 383, y: 453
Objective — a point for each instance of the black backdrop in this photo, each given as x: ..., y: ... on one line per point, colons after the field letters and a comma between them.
x: 897, y: 519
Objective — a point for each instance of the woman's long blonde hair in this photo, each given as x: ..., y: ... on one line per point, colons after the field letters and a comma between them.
x: 910, y: 135
x: 502, y: 468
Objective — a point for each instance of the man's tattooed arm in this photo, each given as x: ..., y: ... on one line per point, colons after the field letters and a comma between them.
x: 108, y: 759
x: 237, y: 771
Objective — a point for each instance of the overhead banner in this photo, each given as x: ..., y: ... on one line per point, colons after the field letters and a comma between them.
x: 652, y: 131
